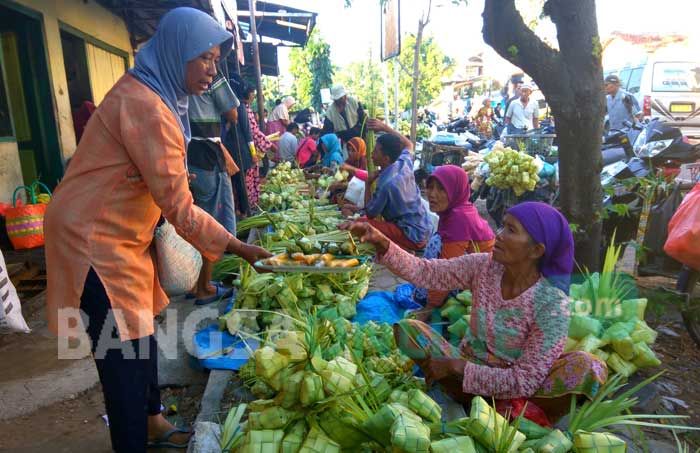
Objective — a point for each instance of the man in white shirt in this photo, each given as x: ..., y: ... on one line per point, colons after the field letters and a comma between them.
x: 523, y: 114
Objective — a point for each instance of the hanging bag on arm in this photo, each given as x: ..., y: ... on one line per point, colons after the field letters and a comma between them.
x: 684, y: 231
x: 178, y: 261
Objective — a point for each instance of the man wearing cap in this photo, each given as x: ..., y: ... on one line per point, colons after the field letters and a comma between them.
x: 622, y: 106
x: 517, y: 82
x: 522, y: 114
x: 344, y: 116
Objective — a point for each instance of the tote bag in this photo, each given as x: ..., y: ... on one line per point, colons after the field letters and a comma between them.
x: 178, y: 262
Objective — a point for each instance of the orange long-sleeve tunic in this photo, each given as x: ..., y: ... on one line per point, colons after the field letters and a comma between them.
x: 128, y: 169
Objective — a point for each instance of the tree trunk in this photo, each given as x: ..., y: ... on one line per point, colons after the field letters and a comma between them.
x: 416, y: 80
x: 571, y: 80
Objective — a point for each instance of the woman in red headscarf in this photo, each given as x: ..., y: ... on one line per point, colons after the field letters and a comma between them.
x: 461, y: 229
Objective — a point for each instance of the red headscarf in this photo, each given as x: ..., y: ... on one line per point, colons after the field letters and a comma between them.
x: 461, y: 220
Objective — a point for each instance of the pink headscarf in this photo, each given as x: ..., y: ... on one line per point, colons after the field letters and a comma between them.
x: 460, y: 221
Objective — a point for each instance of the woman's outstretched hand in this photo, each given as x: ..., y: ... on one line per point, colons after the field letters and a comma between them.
x: 250, y: 253
x: 367, y: 233
x: 437, y: 369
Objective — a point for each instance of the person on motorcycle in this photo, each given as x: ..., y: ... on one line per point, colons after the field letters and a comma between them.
x: 522, y: 114
x: 622, y: 106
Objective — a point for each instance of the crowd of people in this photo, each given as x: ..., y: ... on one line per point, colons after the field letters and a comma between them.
x: 176, y: 141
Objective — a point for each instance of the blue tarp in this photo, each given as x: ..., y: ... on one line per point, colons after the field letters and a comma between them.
x: 377, y: 306
x: 385, y: 306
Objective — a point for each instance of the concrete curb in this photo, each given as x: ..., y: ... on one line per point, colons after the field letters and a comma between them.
x: 210, y: 405
x: 213, y: 394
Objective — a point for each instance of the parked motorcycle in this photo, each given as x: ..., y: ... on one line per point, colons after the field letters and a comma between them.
x: 635, y: 152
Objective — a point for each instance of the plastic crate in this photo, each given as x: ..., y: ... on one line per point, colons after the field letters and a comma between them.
x: 530, y: 143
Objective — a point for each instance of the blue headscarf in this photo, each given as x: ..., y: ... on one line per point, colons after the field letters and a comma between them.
x: 548, y: 227
x: 333, y: 152
x: 182, y: 35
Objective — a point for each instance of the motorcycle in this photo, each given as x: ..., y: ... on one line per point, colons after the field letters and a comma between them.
x: 636, y: 152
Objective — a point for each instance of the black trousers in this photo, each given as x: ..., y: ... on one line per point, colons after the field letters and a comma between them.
x: 128, y: 371
x: 240, y: 193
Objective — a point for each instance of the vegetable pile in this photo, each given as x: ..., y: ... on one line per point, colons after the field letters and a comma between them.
x: 284, y: 189
x: 510, y: 169
x: 332, y: 295
x: 325, y: 181
x: 606, y: 322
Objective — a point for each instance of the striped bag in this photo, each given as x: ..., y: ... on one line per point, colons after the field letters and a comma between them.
x: 11, y: 319
x: 25, y: 223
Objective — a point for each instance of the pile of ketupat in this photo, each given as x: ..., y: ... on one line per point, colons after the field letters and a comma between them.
x: 261, y: 296
x: 282, y: 189
x: 606, y: 322
x: 511, y: 169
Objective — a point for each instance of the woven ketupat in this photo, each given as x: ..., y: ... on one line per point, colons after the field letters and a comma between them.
x: 311, y: 389
x: 265, y: 441
x: 269, y: 362
x: 294, y: 438
x: 554, y: 442
x: 461, y: 444
x: 585, y: 442
x: 341, y: 428
x: 410, y: 435
x: 399, y: 396
x: 487, y: 421
x: 289, y: 395
x: 379, y: 424
x: 275, y: 417
x: 317, y: 442
x: 423, y: 405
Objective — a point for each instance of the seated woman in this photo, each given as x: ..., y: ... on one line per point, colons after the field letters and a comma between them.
x: 460, y: 230
x: 355, y: 164
x: 519, y: 319
x: 331, y: 154
x: 357, y: 154
x: 307, y: 148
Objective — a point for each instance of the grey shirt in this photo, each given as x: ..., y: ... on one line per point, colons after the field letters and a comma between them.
x: 288, y: 147
x: 620, y: 110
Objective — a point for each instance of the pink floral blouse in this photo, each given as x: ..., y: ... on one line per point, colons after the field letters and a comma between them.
x: 259, y: 139
x: 511, y: 344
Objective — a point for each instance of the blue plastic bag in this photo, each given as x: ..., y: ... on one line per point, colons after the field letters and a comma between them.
x: 217, y: 350
x: 385, y: 306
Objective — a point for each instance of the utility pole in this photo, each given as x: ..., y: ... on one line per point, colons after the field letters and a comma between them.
x: 256, y: 61
x: 385, y: 76
x: 422, y: 22
x: 396, y: 94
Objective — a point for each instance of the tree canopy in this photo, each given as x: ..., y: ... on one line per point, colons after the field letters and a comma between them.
x: 312, y: 69
x: 434, y: 66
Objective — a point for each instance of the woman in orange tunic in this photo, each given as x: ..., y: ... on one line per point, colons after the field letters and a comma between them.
x: 128, y: 170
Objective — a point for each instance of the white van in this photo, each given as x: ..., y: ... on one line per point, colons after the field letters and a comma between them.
x: 667, y: 88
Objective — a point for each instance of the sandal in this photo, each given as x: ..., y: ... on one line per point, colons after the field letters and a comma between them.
x: 215, y: 283
x: 221, y: 293
x: 164, y: 440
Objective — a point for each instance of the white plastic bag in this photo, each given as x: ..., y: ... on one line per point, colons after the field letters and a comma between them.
x: 355, y: 193
x: 178, y: 262
x: 11, y: 319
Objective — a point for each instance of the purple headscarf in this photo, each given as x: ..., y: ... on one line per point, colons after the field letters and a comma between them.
x: 461, y: 220
x: 548, y: 227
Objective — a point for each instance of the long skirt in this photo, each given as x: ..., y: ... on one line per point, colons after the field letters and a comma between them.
x: 573, y: 373
x: 252, y: 184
